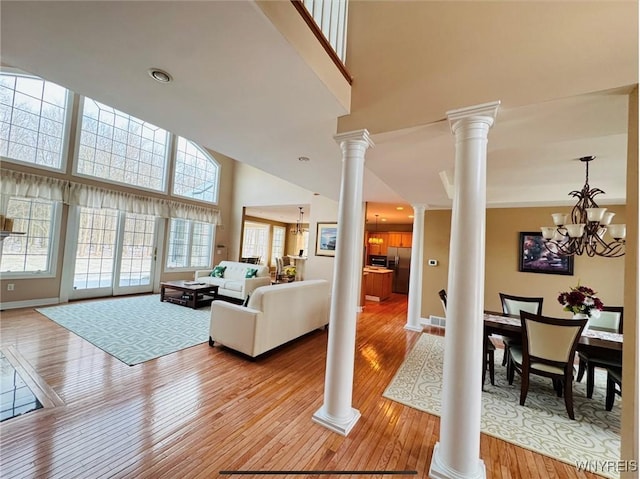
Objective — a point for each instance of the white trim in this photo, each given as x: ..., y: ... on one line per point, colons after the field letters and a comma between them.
x: 29, y: 303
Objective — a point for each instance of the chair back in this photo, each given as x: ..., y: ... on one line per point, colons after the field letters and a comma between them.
x: 514, y: 304
x: 548, y: 340
x: 443, y: 299
x: 610, y: 320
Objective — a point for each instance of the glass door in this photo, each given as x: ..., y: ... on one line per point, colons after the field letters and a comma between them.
x: 115, y: 253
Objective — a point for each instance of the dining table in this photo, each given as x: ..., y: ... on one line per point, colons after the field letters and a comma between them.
x: 605, y: 344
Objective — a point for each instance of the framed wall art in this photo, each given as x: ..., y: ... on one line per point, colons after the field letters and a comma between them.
x: 326, y: 239
x: 536, y: 258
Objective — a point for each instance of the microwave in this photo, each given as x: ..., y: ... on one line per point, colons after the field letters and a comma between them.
x: 378, y: 260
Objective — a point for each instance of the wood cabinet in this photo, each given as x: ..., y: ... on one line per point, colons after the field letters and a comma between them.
x: 400, y: 239
x: 378, y: 285
x: 378, y: 248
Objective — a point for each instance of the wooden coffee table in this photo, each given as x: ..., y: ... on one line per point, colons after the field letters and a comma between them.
x: 188, y: 293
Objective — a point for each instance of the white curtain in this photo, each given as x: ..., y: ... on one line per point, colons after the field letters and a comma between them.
x: 15, y: 183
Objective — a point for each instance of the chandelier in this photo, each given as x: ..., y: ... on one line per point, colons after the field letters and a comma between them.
x: 585, y: 233
x: 375, y: 240
x: 298, y: 230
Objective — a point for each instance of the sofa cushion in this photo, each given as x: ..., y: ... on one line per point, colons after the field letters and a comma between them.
x: 251, y: 273
x: 218, y: 271
x: 233, y: 285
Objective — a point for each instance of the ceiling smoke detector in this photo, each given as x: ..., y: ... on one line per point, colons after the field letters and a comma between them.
x: 160, y: 76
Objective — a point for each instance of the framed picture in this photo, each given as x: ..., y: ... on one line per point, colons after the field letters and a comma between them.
x: 536, y: 258
x: 326, y: 239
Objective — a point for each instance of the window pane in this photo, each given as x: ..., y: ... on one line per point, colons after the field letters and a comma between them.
x: 256, y: 240
x: 96, y: 248
x: 31, y: 252
x: 196, y: 174
x: 32, y: 119
x: 190, y: 244
x: 277, y: 246
x: 118, y: 147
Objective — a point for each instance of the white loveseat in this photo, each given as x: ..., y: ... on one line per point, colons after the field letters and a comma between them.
x: 234, y: 284
x: 273, y: 316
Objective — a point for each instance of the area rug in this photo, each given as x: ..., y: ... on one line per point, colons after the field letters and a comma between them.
x: 134, y: 329
x: 542, y: 425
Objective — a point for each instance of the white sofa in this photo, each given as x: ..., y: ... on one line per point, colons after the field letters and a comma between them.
x: 234, y: 284
x: 273, y: 316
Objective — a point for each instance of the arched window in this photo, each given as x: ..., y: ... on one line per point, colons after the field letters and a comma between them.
x: 196, y: 173
x: 33, y: 115
x: 118, y: 147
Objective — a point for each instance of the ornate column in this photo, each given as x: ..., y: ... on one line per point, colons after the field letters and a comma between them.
x: 336, y: 413
x: 456, y: 456
x: 415, y: 275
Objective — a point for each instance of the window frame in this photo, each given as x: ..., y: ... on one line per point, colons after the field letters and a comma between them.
x: 54, y: 241
x: 66, y: 129
x: 174, y: 163
x: 189, y: 246
x: 168, y: 155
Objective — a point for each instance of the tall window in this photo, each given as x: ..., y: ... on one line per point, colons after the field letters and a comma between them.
x: 256, y: 240
x: 32, y: 252
x: 277, y: 243
x: 196, y: 173
x: 33, y: 115
x: 117, y: 147
x: 190, y: 244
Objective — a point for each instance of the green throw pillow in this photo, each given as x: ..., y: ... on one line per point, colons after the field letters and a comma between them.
x: 251, y: 273
x: 218, y: 272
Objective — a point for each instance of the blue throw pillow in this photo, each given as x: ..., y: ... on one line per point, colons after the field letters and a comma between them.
x: 218, y: 272
x: 251, y: 273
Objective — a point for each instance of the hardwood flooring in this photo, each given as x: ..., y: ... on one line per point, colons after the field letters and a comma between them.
x: 203, y: 410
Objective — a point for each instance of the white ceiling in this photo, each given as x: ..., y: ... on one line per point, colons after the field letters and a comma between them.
x: 241, y: 89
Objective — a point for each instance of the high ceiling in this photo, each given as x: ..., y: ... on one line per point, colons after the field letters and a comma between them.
x: 562, y: 71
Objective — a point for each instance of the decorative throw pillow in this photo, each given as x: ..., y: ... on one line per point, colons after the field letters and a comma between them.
x: 251, y: 273
x: 218, y: 272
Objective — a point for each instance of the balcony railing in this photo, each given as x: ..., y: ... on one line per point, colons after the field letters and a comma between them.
x: 328, y: 21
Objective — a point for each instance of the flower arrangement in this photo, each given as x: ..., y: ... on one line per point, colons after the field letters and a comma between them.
x: 581, y: 300
x: 289, y: 271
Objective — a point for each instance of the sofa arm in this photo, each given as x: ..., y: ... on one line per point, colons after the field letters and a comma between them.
x: 202, y: 272
x: 234, y: 326
x: 250, y: 284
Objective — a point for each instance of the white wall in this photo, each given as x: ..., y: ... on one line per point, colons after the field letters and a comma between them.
x: 253, y: 187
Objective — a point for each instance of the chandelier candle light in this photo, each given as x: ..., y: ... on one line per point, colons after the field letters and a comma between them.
x: 298, y: 230
x: 585, y: 233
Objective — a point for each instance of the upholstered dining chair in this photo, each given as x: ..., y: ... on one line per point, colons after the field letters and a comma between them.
x: 513, y: 305
x: 548, y: 349
x: 488, y: 348
x: 610, y: 320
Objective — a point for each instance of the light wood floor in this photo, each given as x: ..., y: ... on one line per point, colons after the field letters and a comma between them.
x: 204, y: 410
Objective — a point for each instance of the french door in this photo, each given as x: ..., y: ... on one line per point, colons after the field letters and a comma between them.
x: 114, y: 253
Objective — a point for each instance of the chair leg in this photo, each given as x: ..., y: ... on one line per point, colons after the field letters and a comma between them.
x: 505, y: 355
x: 582, y: 367
x: 510, y: 372
x: 524, y: 387
x: 568, y: 397
x: 611, y: 393
x: 492, y: 372
x: 590, y: 380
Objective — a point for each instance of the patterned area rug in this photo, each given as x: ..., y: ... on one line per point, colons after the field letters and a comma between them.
x: 542, y: 425
x: 134, y: 329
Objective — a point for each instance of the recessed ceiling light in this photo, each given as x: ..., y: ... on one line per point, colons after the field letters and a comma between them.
x: 410, y: 216
x: 383, y: 219
x: 160, y: 76
x: 399, y: 208
x: 303, y: 158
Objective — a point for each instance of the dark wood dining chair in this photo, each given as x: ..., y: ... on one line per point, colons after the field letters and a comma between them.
x: 548, y: 349
x: 614, y: 386
x: 611, y: 319
x: 513, y: 305
x: 443, y: 299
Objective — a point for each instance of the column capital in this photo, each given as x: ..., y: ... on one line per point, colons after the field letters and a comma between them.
x: 357, y: 135
x: 485, y: 112
x: 419, y: 206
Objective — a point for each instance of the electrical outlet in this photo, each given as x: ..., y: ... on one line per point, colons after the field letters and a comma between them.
x: 10, y: 287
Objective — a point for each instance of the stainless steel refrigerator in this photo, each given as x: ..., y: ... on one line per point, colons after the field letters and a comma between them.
x: 399, y: 260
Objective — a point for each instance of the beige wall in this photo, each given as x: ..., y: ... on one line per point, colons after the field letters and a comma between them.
x: 605, y: 275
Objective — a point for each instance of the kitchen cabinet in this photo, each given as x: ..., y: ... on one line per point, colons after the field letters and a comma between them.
x: 378, y: 248
x: 400, y: 239
x: 378, y: 284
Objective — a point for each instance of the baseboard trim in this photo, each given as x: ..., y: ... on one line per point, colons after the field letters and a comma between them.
x: 30, y: 303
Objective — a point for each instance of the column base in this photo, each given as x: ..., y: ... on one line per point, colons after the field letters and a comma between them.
x: 409, y: 327
x: 439, y: 470
x: 341, y: 427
